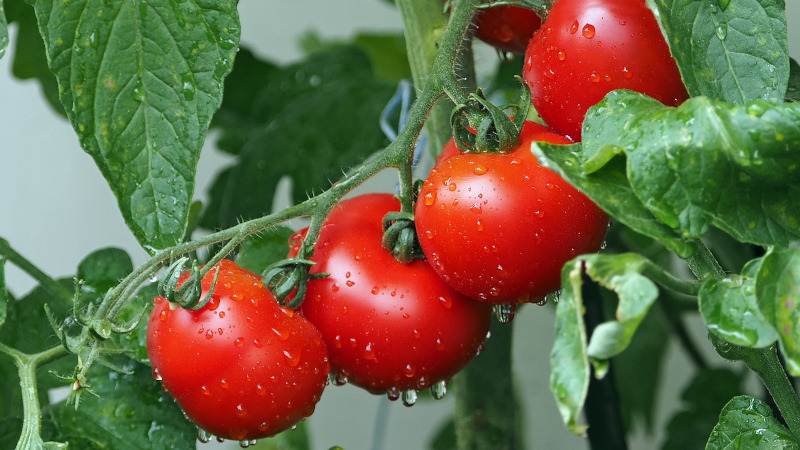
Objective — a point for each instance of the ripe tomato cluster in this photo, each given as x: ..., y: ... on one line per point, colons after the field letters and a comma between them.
x: 495, y: 229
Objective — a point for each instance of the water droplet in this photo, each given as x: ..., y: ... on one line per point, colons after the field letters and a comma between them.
x: 205, y: 390
x: 292, y: 358
x: 447, y: 302
x: 479, y: 225
x: 213, y: 303
x: 722, y: 31
x: 375, y: 290
x: 574, y: 27
x: 156, y: 375
x: 542, y: 302
x: 479, y: 169
x: 222, y: 314
x: 505, y: 312
x: 393, y: 394
x: 209, y: 334
x: 561, y: 55
x: 588, y: 31
x: 241, y: 411
x: 350, y: 283
x: 430, y: 198
x: 409, y: 371
x: 188, y: 86
x: 594, y: 77
x: 369, y: 352
x: 224, y: 383
x: 203, y: 436
x: 409, y: 397
x: 239, y: 342
x: 439, y: 390
x: 476, y: 208
x: 282, y: 334
x: 163, y: 315
x: 261, y: 390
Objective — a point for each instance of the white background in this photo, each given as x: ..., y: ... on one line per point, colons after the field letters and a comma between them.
x: 55, y: 208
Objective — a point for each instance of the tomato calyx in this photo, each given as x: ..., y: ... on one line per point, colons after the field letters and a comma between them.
x: 479, y: 126
x: 189, y: 294
x: 288, y: 279
x: 400, y: 237
x: 540, y: 7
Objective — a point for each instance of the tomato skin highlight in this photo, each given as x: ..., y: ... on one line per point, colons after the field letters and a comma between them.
x: 507, y: 27
x: 587, y: 48
x: 389, y: 327
x: 241, y: 367
x: 499, y: 227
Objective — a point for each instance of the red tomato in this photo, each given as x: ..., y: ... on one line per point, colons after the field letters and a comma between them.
x: 587, y: 48
x: 389, y: 327
x: 241, y: 367
x: 499, y: 227
x: 508, y: 28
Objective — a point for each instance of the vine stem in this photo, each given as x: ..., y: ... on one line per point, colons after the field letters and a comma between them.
x: 763, y: 361
x: 30, y: 436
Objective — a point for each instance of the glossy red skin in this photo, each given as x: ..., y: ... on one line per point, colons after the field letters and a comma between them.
x: 389, y: 327
x: 587, y: 48
x: 241, y: 367
x: 499, y: 227
x: 507, y: 28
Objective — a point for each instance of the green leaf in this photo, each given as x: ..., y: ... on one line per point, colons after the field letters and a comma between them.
x: 445, y: 437
x: 569, y: 360
x: 386, y: 51
x: 3, y: 31
x: 103, y: 269
x: 703, y: 398
x: 793, y: 91
x: 737, y: 53
x: 260, y: 250
x: 4, y: 297
x: 140, y: 82
x: 308, y: 121
x: 747, y: 422
x: 778, y: 294
x: 623, y: 275
x: 703, y: 163
x: 135, y: 342
x: 30, y: 58
x: 130, y: 411
x: 639, y: 370
x: 610, y: 189
x: 730, y: 310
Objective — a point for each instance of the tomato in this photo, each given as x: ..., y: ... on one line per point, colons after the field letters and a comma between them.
x: 389, y: 327
x: 499, y: 227
x: 587, y: 48
x: 241, y: 367
x: 507, y: 27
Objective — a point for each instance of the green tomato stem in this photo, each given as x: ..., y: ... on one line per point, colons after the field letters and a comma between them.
x: 766, y: 364
x: 28, y: 267
x: 669, y: 281
x: 31, y: 438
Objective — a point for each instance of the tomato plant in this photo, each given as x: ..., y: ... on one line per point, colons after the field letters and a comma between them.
x: 242, y: 367
x: 389, y: 327
x: 586, y: 49
x: 683, y: 120
x: 507, y: 27
x: 523, y: 219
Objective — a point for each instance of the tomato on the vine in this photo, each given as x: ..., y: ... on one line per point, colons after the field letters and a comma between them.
x: 242, y: 366
x: 587, y: 48
x: 498, y: 227
x: 507, y: 27
x: 389, y: 327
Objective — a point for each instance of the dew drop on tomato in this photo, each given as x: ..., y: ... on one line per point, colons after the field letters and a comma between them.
x: 241, y: 411
x: 369, y: 352
x: 292, y: 358
x: 430, y: 198
x: 409, y: 397
x: 238, y: 342
x: 505, y: 312
x: 439, y: 390
x: 588, y: 31
x: 203, y: 436
x: 574, y: 27
x: 156, y: 375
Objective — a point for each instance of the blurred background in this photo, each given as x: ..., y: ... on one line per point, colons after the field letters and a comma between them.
x: 45, y: 177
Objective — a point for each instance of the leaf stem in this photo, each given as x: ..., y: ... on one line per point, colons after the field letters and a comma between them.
x: 669, y: 281
x: 28, y: 267
x: 30, y: 437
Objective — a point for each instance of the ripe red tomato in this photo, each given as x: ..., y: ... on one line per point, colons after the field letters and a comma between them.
x: 241, y: 367
x: 389, y: 327
x: 507, y: 27
x: 499, y: 227
x: 587, y: 48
